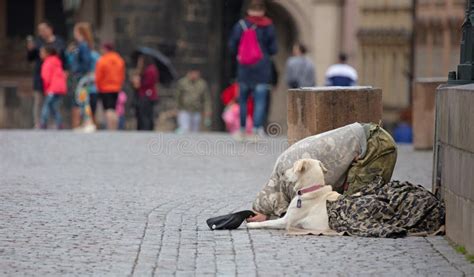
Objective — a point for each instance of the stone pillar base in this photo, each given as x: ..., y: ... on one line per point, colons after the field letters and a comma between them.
x: 423, y: 111
x: 316, y: 110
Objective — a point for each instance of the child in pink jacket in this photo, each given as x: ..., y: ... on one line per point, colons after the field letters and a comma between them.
x: 54, y: 85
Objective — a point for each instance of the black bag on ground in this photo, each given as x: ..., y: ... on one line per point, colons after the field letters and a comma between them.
x: 229, y: 221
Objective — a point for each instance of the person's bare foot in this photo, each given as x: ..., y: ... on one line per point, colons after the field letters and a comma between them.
x: 257, y: 218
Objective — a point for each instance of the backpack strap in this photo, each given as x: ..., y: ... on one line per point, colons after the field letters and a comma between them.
x: 244, y: 26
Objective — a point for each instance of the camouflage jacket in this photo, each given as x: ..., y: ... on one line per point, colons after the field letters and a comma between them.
x: 193, y: 96
x: 336, y: 149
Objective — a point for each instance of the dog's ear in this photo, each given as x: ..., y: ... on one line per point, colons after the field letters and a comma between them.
x: 299, y: 166
x: 323, y: 167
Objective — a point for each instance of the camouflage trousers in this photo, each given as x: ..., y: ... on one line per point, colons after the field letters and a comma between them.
x: 379, y: 160
x: 387, y: 210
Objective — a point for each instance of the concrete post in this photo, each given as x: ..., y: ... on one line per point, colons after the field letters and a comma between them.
x: 315, y: 110
x: 423, y: 111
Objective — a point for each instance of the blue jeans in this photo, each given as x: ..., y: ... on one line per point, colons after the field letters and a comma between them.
x: 260, y: 92
x: 121, y: 122
x: 51, y: 105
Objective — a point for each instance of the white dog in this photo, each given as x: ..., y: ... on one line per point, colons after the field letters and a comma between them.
x: 307, y: 210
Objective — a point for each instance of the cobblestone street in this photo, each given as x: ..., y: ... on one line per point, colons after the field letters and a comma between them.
x: 120, y: 204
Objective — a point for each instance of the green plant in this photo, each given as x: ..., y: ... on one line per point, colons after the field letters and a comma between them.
x: 461, y: 249
x: 470, y: 258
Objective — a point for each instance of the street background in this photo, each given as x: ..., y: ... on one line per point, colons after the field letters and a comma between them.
x: 390, y: 43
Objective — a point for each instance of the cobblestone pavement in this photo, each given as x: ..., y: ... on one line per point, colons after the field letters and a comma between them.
x: 120, y: 204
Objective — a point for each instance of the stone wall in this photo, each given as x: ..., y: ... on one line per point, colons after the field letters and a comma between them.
x: 16, y: 102
x: 454, y: 161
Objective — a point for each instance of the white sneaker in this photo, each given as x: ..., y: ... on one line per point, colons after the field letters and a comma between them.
x: 90, y: 128
x: 239, y: 136
x: 261, y: 132
x: 253, y: 138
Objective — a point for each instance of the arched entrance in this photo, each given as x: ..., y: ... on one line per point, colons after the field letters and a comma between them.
x: 287, y: 35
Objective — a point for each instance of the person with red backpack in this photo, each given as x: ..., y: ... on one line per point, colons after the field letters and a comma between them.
x: 253, y: 41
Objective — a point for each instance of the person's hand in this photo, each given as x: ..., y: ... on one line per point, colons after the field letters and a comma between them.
x: 136, y: 81
x: 30, y: 44
x: 174, y: 112
x: 207, y: 119
x: 257, y: 218
x: 207, y: 122
x: 71, y: 47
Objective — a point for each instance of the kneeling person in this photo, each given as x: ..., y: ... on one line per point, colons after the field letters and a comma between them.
x: 354, y: 156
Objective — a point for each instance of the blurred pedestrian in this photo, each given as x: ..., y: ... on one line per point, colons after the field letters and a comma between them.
x: 194, y: 102
x: 253, y: 40
x: 86, y: 97
x: 93, y: 93
x: 46, y: 36
x: 109, y: 78
x: 80, y: 57
x: 341, y: 74
x: 231, y: 113
x: 145, y: 84
x: 54, y: 85
x: 300, y: 70
x: 120, y: 109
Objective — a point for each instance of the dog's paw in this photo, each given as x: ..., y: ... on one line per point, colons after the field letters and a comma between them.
x: 252, y: 225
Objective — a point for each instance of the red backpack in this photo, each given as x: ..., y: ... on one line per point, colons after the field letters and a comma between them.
x: 249, y: 50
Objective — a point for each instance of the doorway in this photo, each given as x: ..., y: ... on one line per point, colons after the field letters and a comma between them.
x: 287, y: 35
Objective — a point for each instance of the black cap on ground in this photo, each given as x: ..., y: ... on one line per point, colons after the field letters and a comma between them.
x: 229, y: 221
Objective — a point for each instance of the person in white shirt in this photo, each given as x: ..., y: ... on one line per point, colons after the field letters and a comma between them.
x: 341, y: 74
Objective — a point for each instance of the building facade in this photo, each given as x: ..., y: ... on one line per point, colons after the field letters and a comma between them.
x: 438, y: 29
x: 384, y: 51
x: 402, y: 40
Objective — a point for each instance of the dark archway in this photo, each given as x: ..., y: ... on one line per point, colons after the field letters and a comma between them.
x: 287, y: 35
x: 230, y: 12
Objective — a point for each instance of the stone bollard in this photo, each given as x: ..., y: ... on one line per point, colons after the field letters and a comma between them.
x: 316, y: 110
x: 423, y: 111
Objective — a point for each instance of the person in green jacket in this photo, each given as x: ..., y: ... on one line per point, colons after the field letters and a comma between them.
x: 194, y: 102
